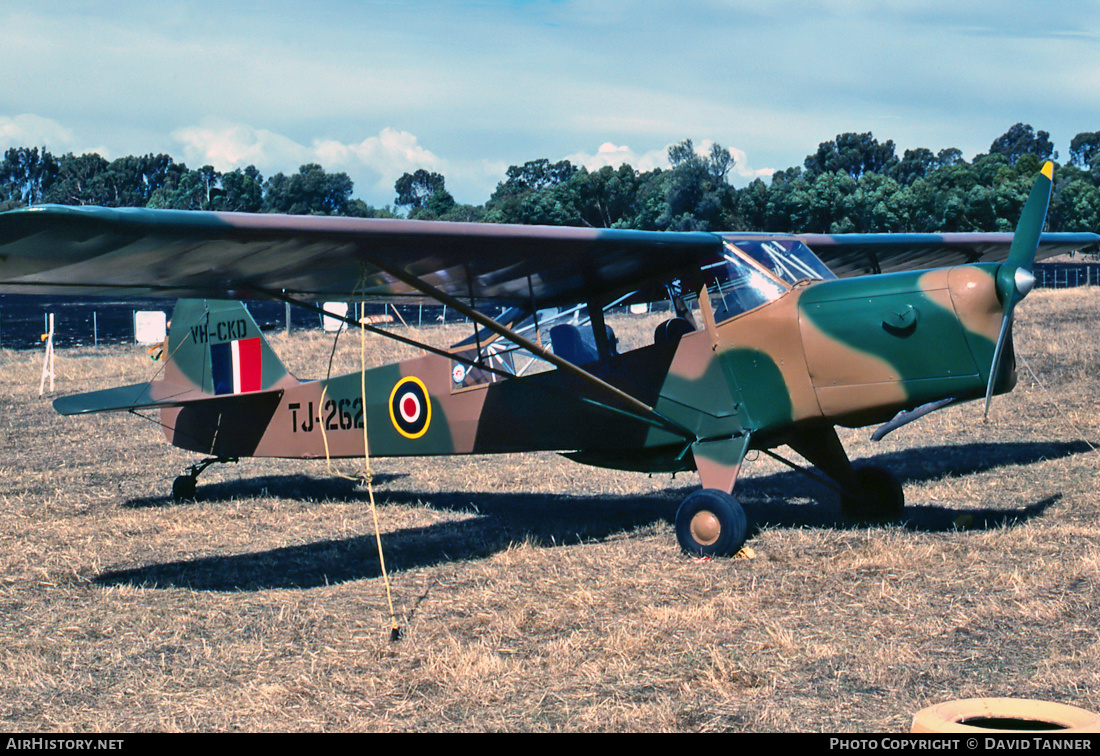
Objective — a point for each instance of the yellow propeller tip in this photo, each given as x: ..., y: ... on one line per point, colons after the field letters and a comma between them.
x: 1048, y: 170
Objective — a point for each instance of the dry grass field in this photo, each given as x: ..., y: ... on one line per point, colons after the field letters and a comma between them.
x: 538, y: 595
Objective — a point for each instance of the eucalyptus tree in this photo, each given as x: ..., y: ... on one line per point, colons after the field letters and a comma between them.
x: 1022, y: 140
x: 26, y: 175
x: 311, y: 191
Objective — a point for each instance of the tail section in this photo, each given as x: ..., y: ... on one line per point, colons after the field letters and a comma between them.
x: 216, y: 347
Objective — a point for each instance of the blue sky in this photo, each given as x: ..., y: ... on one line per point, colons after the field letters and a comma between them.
x: 379, y: 87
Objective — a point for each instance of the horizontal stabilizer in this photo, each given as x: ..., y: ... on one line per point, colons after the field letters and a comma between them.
x: 124, y: 398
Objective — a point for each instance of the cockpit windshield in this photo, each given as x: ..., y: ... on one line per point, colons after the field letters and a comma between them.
x: 736, y: 287
x: 755, y: 271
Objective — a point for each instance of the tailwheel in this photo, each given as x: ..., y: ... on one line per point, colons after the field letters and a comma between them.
x: 883, y: 500
x: 183, y: 488
x: 711, y: 523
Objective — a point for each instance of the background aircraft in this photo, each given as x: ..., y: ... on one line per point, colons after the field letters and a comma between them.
x: 766, y: 346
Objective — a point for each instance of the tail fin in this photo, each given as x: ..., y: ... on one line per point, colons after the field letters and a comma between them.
x: 216, y: 347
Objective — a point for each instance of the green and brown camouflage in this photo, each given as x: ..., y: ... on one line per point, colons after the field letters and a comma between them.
x: 776, y: 350
x: 829, y: 350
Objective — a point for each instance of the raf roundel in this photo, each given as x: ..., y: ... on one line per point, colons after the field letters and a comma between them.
x: 410, y: 407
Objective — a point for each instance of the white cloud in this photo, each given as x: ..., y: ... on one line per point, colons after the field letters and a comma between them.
x: 374, y: 164
x: 228, y: 146
x: 613, y: 155
x: 610, y: 154
x: 29, y: 130
x: 389, y: 155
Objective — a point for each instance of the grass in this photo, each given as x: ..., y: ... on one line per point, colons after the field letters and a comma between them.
x: 539, y: 595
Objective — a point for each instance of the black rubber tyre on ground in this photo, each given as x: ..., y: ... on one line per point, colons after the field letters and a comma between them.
x: 885, y: 502
x: 183, y: 488
x: 711, y: 523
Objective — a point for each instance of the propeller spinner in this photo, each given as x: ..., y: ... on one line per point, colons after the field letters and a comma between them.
x: 1014, y: 277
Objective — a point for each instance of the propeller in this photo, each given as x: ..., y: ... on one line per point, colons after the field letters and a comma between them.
x: 1014, y: 277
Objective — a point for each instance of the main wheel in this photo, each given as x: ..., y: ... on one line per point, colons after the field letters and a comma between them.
x: 885, y: 500
x: 183, y: 488
x: 711, y: 523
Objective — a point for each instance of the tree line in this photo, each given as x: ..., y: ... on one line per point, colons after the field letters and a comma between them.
x: 852, y: 183
x: 29, y: 176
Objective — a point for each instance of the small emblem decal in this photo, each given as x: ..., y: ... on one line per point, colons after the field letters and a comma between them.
x: 410, y: 407
x: 458, y: 373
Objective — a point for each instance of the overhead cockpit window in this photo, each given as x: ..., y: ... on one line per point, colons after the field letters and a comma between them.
x: 787, y: 259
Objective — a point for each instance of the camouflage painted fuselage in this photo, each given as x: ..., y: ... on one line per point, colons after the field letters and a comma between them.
x: 850, y: 352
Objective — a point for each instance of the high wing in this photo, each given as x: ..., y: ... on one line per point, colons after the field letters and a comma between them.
x: 172, y: 253
x: 51, y: 249
x: 861, y: 254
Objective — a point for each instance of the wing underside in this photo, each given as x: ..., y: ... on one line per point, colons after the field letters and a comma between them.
x: 862, y: 254
x: 51, y: 249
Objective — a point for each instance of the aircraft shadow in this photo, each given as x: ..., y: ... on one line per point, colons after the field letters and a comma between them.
x: 499, y: 521
x: 298, y: 486
x: 767, y: 499
x: 503, y: 519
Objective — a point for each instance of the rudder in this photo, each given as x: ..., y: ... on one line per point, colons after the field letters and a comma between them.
x: 216, y: 347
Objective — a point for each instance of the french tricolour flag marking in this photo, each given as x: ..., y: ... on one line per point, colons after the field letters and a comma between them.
x: 236, y: 366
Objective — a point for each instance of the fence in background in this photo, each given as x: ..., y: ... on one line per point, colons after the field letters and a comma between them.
x: 90, y: 321
x: 1066, y: 275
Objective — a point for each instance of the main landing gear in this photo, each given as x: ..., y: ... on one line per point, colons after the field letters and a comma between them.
x: 883, y: 500
x: 711, y: 523
x: 183, y: 487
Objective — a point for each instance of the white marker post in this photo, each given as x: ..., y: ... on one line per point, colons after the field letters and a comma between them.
x: 47, y: 364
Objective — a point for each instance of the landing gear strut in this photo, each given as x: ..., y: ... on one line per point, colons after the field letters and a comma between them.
x: 183, y: 487
x: 867, y: 494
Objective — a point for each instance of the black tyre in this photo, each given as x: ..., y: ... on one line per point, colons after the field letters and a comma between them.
x: 884, y: 501
x: 183, y: 488
x: 711, y: 523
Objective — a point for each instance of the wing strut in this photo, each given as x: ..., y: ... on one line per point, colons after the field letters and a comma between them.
x: 469, y: 362
x: 505, y: 332
x: 649, y: 416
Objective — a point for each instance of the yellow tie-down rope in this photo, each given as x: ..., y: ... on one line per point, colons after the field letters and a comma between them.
x: 367, y: 475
